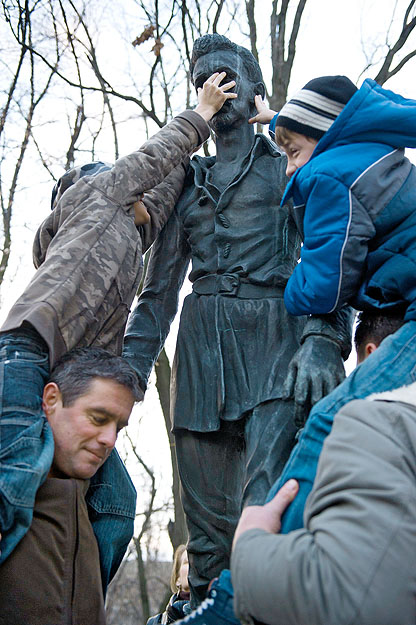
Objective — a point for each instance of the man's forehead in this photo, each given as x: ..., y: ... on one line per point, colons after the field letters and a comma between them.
x: 218, y: 60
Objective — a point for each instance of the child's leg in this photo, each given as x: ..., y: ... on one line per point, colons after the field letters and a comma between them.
x: 392, y: 365
x: 26, y: 442
x: 111, y: 501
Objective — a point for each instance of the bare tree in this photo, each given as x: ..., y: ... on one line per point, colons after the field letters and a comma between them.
x: 408, y: 25
x: 23, y: 107
x: 144, y: 545
x: 284, y: 30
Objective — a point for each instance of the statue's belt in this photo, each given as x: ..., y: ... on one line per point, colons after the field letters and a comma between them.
x: 232, y: 285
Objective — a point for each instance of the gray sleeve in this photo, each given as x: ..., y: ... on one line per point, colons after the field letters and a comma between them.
x: 141, y: 171
x: 160, y: 202
x: 351, y: 563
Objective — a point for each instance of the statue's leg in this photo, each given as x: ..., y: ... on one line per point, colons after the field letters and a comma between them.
x: 392, y: 365
x: 211, y: 470
x: 270, y: 435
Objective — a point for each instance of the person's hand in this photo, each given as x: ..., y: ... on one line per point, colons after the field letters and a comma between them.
x: 314, y: 371
x: 212, y: 95
x: 267, y: 517
x: 264, y: 114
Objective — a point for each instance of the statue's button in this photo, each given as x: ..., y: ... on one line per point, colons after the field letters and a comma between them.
x: 224, y: 221
x: 202, y: 200
x: 226, y: 250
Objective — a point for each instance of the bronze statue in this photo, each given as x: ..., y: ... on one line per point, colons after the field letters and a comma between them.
x: 232, y: 412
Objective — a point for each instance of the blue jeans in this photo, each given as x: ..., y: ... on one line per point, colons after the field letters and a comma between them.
x: 26, y: 442
x: 26, y: 454
x: 111, y: 502
x: 392, y: 365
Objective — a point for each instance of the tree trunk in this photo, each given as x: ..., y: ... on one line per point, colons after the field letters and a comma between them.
x: 176, y: 528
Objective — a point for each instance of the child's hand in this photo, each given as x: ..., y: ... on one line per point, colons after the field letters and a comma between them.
x: 212, y: 96
x: 264, y: 114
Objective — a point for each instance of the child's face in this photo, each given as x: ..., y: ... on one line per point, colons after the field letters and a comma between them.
x: 182, y: 581
x: 298, y: 150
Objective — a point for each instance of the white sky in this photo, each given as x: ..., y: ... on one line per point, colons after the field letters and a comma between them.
x: 329, y: 42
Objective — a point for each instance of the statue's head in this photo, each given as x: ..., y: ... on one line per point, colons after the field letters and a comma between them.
x: 216, y: 53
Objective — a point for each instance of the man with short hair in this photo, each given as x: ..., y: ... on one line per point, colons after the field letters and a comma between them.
x: 372, y: 327
x: 87, y: 401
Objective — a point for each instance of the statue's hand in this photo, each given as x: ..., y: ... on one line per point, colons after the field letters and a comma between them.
x: 314, y: 371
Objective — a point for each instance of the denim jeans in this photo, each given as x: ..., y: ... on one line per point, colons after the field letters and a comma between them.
x: 111, y: 502
x: 26, y: 454
x: 392, y: 365
x: 26, y: 442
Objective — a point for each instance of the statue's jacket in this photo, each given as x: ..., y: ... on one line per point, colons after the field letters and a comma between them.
x: 235, y: 338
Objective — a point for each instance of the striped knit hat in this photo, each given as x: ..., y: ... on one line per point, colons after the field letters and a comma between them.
x: 315, y: 107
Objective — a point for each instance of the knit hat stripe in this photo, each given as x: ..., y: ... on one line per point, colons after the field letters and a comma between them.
x: 319, y: 102
x: 303, y: 116
x: 313, y: 110
x: 318, y: 111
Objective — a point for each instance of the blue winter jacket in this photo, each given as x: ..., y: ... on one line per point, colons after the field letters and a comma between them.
x: 356, y: 197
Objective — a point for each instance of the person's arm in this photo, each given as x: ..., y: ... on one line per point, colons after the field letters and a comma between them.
x: 325, y: 339
x: 264, y: 114
x: 159, y: 203
x: 337, y: 229
x: 141, y: 171
x: 149, y: 323
x: 351, y: 563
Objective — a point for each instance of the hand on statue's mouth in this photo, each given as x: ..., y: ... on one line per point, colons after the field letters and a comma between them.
x: 227, y: 106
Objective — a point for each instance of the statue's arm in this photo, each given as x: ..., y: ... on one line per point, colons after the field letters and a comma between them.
x: 149, y: 323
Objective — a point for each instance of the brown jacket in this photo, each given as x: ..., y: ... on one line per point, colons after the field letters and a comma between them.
x: 89, y: 252
x: 53, y: 575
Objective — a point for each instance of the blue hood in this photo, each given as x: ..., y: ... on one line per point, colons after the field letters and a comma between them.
x: 373, y: 115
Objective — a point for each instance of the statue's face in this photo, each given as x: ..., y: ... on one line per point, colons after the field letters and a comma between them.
x: 236, y: 111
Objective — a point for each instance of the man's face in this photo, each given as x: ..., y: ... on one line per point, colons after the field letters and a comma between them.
x: 235, y: 111
x: 86, y: 431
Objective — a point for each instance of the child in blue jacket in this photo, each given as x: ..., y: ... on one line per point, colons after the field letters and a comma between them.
x: 354, y: 191
x: 354, y: 197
